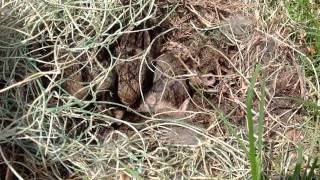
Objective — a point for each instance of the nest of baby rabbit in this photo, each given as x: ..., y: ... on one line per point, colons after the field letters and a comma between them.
x: 145, y: 90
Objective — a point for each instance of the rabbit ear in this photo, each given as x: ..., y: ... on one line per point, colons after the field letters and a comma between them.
x: 184, y: 105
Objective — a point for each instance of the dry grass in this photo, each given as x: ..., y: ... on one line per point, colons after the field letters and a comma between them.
x: 48, y: 131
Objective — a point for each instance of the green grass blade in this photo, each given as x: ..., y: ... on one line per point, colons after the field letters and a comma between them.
x: 312, y: 169
x: 297, y: 169
x: 261, y: 123
x: 130, y: 171
x: 249, y: 103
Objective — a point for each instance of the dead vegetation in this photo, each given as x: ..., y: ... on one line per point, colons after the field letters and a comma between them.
x: 144, y: 95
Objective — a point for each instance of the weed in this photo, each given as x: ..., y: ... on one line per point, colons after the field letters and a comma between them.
x: 254, y: 155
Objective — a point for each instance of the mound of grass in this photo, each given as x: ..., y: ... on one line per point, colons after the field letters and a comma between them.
x: 247, y: 129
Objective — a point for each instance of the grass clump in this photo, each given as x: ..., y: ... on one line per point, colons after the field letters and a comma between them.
x: 57, y: 138
x: 306, y: 14
x: 241, y: 126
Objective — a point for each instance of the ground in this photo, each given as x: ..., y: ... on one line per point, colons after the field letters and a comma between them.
x: 161, y: 89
